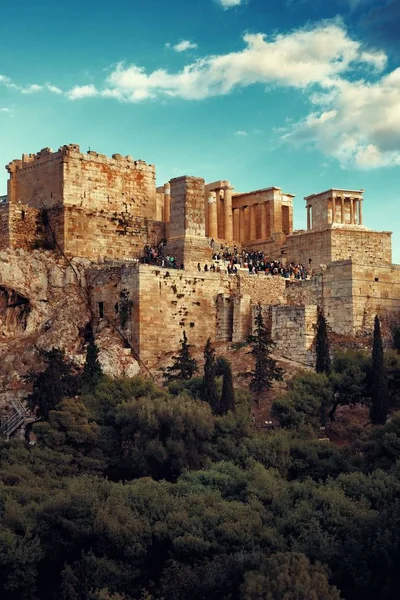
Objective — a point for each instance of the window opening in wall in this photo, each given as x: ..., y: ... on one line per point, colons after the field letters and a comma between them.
x: 22, y: 215
x: 101, y: 310
x: 376, y: 278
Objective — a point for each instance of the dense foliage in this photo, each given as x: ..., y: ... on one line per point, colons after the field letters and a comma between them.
x: 136, y: 492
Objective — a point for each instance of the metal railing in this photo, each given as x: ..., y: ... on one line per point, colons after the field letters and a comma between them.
x: 21, y: 416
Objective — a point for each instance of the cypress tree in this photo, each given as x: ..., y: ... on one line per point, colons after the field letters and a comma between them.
x: 210, y: 393
x: 379, y: 388
x: 184, y: 366
x: 265, y: 370
x: 92, y: 371
x: 323, y: 364
x: 227, y: 401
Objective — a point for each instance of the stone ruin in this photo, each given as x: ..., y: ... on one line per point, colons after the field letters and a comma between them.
x: 89, y: 206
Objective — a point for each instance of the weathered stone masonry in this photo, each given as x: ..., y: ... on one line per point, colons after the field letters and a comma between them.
x: 100, y: 208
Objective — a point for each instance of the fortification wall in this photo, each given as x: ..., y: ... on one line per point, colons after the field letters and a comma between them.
x: 376, y: 290
x: 362, y: 246
x: 95, y: 234
x: 117, y: 184
x: 37, y: 179
x: 4, y: 226
x: 305, y: 245
x: 293, y: 331
x: 337, y: 244
x: 263, y: 289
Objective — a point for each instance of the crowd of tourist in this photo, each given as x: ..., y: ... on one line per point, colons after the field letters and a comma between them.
x: 229, y: 260
x: 155, y: 256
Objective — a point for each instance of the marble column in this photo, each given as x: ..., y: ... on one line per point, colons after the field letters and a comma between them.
x: 252, y: 218
x: 242, y: 229
x: 360, y: 219
x: 212, y: 216
x: 333, y: 209
x: 228, y: 216
x: 351, y: 211
x: 264, y: 233
x: 236, y: 224
x: 342, y: 209
x: 167, y: 202
x: 308, y: 217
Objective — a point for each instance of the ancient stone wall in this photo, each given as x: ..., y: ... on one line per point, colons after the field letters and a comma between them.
x: 376, y: 291
x: 4, y: 225
x: 293, y: 331
x: 95, y: 234
x: 117, y: 184
x: 363, y: 246
x: 263, y: 289
x: 304, y: 292
x: 186, y: 239
x: 337, y: 244
x: 163, y: 303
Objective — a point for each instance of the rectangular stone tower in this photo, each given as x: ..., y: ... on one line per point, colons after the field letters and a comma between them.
x: 187, y: 241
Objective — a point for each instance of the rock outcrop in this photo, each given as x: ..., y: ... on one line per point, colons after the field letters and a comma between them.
x: 44, y: 304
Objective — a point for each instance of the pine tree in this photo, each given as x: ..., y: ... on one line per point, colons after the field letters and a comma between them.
x: 184, y: 366
x: 265, y: 370
x: 379, y: 391
x: 227, y: 401
x: 92, y: 372
x: 323, y: 363
x: 210, y: 393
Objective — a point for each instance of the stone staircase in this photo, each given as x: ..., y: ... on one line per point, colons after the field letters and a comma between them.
x: 19, y: 418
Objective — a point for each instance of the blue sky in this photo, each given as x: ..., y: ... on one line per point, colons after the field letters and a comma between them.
x: 302, y: 94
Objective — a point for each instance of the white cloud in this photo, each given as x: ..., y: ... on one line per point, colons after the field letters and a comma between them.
x: 82, y: 91
x: 241, y: 132
x: 6, y: 110
x: 358, y: 123
x: 230, y: 3
x: 355, y: 114
x: 299, y: 59
x: 184, y: 45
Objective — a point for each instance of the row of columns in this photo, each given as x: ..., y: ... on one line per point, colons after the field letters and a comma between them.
x: 213, y: 198
x: 355, y: 212
x: 245, y: 222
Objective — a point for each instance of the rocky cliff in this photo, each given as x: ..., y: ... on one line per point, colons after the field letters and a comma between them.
x: 44, y: 304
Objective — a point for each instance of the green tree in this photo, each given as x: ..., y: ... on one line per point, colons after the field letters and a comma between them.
x: 161, y: 437
x: 288, y: 576
x: 227, y: 401
x: 92, y: 371
x: 379, y: 390
x: 53, y: 384
x: 323, y: 364
x: 306, y: 402
x: 210, y: 393
x: 265, y: 370
x: 347, y: 379
x: 184, y: 366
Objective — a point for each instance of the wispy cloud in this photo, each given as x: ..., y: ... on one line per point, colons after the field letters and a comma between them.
x: 31, y: 88
x: 183, y: 46
x: 241, y: 132
x: 6, y: 110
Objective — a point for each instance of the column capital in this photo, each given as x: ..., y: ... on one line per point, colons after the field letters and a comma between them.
x: 212, y: 197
